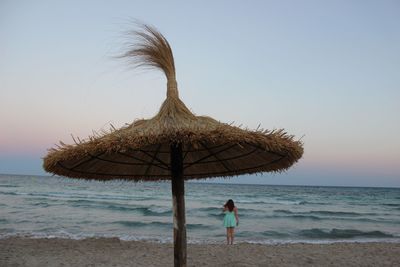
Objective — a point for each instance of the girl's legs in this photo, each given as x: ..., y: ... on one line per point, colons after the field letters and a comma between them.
x: 230, y: 234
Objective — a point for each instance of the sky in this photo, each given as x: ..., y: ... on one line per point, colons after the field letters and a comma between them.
x: 325, y: 71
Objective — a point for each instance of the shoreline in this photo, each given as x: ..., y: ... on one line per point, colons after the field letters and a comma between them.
x: 19, y: 251
x: 221, y: 241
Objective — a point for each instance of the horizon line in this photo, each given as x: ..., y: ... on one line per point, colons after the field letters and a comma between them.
x: 205, y: 181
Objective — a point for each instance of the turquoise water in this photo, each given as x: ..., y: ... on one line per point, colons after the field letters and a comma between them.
x: 59, y: 207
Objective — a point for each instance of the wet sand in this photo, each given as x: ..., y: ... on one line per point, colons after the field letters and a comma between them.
x: 113, y: 252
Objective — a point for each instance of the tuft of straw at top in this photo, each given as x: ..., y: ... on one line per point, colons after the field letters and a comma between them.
x: 152, y: 50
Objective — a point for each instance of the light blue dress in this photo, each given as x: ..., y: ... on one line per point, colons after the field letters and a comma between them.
x: 229, y: 219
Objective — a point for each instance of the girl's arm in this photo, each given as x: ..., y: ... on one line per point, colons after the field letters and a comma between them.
x: 236, y: 215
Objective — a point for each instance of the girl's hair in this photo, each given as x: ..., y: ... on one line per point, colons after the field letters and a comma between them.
x: 230, y: 205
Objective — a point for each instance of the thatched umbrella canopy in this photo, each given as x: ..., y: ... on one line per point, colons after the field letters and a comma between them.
x: 174, y: 145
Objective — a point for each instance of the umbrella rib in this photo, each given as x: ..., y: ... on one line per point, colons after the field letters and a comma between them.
x: 197, y: 150
x: 184, y: 156
x: 263, y: 149
x: 231, y: 158
x: 235, y: 171
x: 85, y: 161
x: 188, y: 151
x: 240, y: 156
x: 209, y: 155
x: 215, y: 156
x: 151, y: 156
x: 262, y: 165
x: 152, y: 160
x: 107, y: 174
x: 126, y: 163
x: 139, y: 159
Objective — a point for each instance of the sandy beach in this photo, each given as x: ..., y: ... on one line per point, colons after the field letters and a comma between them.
x: 113, y: 252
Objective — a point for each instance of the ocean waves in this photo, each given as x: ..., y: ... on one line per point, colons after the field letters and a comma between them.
x: 52, y: 207
x: 77, y: 195
x: 151, y: 210
x: 342, y: 234
x: 324, y: 215
x: 162, y: 225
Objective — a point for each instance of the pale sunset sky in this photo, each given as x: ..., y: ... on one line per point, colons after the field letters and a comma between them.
x: 326, y: 71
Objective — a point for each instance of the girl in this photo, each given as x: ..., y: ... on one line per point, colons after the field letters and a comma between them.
x: 231, y: 220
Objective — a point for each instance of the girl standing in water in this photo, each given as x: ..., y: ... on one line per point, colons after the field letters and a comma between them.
x: 231, y: 220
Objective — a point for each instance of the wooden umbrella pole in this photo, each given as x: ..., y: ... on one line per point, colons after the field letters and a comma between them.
x: 178, y: 202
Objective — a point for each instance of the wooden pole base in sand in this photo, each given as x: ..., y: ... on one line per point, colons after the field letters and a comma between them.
x: 178, y: 202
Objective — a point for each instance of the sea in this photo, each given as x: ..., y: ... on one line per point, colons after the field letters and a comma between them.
x: 50, y: 207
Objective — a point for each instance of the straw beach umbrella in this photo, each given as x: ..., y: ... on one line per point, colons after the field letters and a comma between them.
x: 174, y: 145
